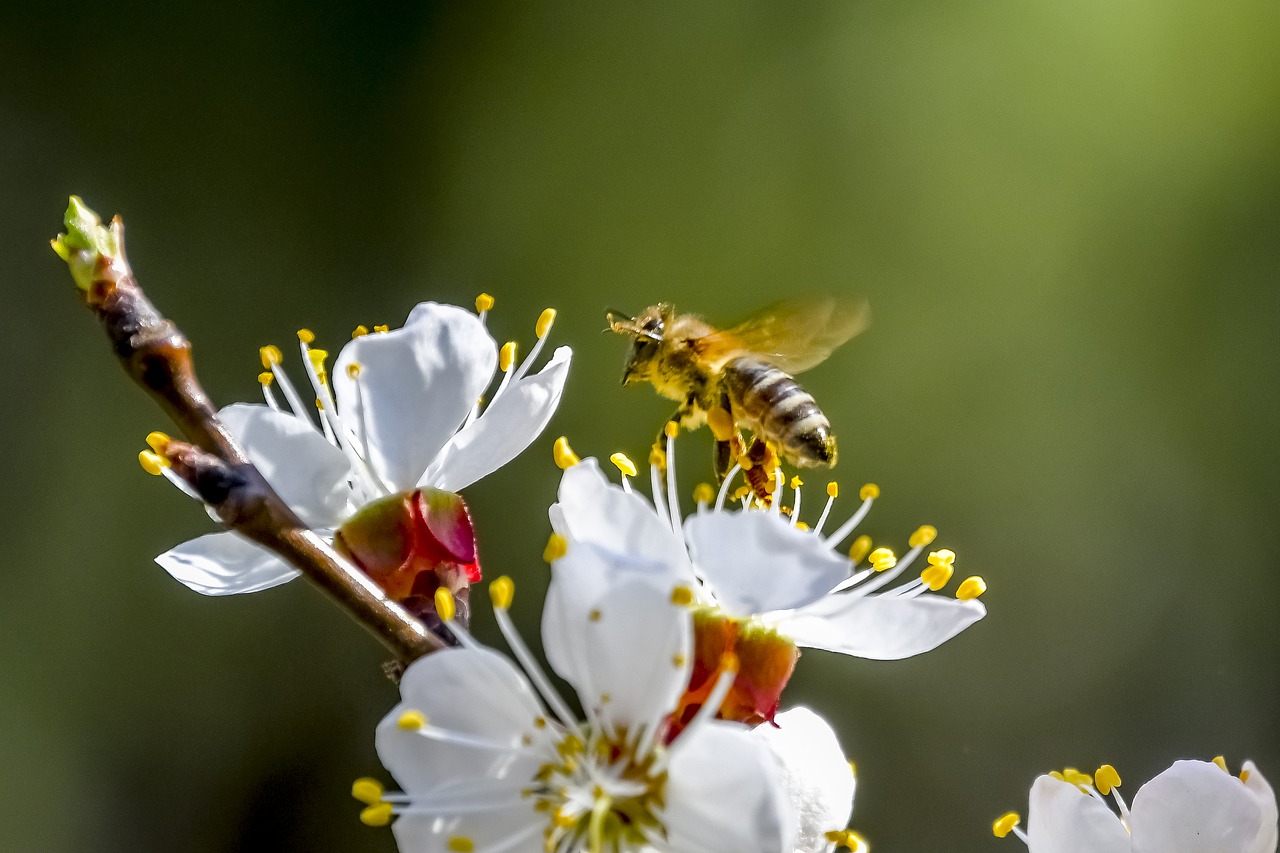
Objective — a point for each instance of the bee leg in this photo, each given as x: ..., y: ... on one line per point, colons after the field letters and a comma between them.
x: 763, y: 462
x: 722, y: 457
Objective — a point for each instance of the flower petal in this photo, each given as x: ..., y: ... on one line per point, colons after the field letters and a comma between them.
x: 517, y: 829
x: 1260, y: 788
x: 879, y: 627
x: 505, y: 429
x: 412, y: 388
x: 611, y: 629
x: 756, y: 561
x: 591, y: 509
x: 1195, y: 807
x: 475, y: 692
x: 308, y: 472
x: 725, y: 792
x: 225, y: 564
x: 818, y: 778
x: 1063, y: 819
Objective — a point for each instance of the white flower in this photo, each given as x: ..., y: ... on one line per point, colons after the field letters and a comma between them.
x: 405, y: 417
x: 757, y: 564
x: 1193, y: 807
x: 491, y: 759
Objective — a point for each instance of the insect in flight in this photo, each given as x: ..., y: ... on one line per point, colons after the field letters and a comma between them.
x: 742, y: 377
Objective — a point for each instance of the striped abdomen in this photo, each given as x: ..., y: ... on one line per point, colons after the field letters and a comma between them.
x: 768, y: 401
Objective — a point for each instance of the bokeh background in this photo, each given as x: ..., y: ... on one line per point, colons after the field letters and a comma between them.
x: 1066, y: 218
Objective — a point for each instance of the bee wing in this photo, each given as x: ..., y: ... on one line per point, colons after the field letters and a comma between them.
x: 793, y: 335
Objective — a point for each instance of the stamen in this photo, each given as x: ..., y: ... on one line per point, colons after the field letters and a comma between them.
x: 368, y: 791
x: 507, y: 356
x: 557, y: 547
x: 306, y: 336
x: 924, y: 535
x: 1005, y: 824
x: 563, y: 454
x: 545, y: 320
x: 271, y: 360
x: 382, y: 329
x: 672, y: 429
x: 833, y: 491
x: 703, y: 494
x: 970, y: 588
x: 501, y: 594
x: 869, y: 493
x: 153, y: 463
x: 378, y: 814
x: 624, y: 465
x: 359, y: 331
x: 724, y: 487
x: 860, y: 548
x: 158, y: 441
x: 1221, y: 761
x: 484, y: 302
x: 446, y: 607
x: 709, y: 709
x: 265, y: 378
x: 796, y: 483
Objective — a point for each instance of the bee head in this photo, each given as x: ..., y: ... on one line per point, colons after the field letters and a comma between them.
x: 646, y: 333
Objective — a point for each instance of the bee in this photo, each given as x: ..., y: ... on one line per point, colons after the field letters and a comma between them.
x: 742, y: 377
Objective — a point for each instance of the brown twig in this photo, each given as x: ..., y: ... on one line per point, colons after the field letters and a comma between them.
x: 155, y: 353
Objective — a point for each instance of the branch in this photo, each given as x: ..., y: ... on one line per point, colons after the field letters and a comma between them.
x: 155, y: 353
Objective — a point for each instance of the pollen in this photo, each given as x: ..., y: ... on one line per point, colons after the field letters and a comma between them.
x: 563, y: 454
x: 306, y: 336
x: 657, y: 457
x: 681, y: 596
x: 382, y: 329
x: 557, y: 547
x: 270, y: 356
x: 833, y: 489
x: 677, y: 660
x: 594, y: 616
x: 796, y: 482
x: 1105, y: 778
x: 545, y: 320
x: 502, y: 591
x: 721, y: 423
x: 378, y: 814
x: 860, y: 548
x: 671, y: 429
x: 936, y: 577
x: 945, y: 557
x: 507, y: 356
x: 704, y: 493
x: 1005, y: 823
x: 483, y: 303
x: 1221, y: 762
x: 359, y: 331
x: 869, y: 492
x: 624, y: 464
x: 266, y: 377
x: 461, y: 843
x: 158, y: 441
x: 971, y: 588
x: 367, y: 791
x: 411, y: 721
x: 924, y: 535
x: 152, y: 463
x: 317, y: 357
x: 800, y: 525
x: 882, y: 559
x: 446, y: 607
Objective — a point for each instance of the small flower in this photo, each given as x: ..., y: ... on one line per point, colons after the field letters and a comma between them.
x: 397, y: 420
x: 1193, y: 807
x: 492, y: 759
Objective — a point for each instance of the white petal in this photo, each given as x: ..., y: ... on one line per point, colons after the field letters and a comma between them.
x: 308, y: 472
x: 756, y: 561
x: 1063, y: 819
x: 469, y: 691
x: 414, y: 388
x: 504, y: 430
x: 517, y: 829
x: 611, y: 630
x: 591, y: 509
x: 725, y: 792
x: 1195, y: 807
x: 879, y: 627
x: 225, y: 564
x: 1260, y: 788
x: 818, y: 779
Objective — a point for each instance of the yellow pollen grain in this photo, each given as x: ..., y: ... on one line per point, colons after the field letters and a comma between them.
x: 677, y: 661
x: 671, y: 429
x: 545, y: 320
x: 367, y: 791
x: 317, y: 357
x: 882, y: 559
x: 461, y: 844
x: 353, y: 369
x: 306, y: 336
x: 266, y: 377
x: 382, y: 329
x: 539, y: 722
x: 1105, y: 778
x: 657, y: 457
x: 502, y: 591
x: 1221, y: 762
x: 796, y: 482
x: 411, y: 721
x: 936, y: 577
x: 704, y: 493
x: 924, y: 535
x: 833, y: 489
x: 270, y: 356
x: 800, y: 525
x: 869, y: 492
x: 1005, y: 823
x: 681, y: 596
x: 483, y: 303
x: 507, y: 356
x: 721, y: 423
x: 152, y: 463
x: 860, y: 548
x: 446, y: 607
x: 359, y: 331
x: 376, y: 815
x: 158, y: 441
x: 557, y: 547
x: 1244, y: 775
x: 563, y: 454
x: 594, y: 616
x: 945, y: 557
x: 623, y: 464
x: 970, y: 588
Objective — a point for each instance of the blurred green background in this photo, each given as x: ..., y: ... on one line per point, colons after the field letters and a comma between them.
x: 1066, y: 218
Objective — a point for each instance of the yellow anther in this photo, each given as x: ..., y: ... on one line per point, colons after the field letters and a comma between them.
x: 1244, y: 775
x: 353, y: 369
x: 383, y: 329
x: 557, y: 547
x: 594, y: 616
x: 359, y: 331
x: 869, y: 492
x: 800, y: 525
x: 741, y: 492
x: 367, y: 791
x: 624, y: 464
x: 704, y: 493
x: 721, y: 423
x: 924, y: 535
x: 860, y: 548
x: 671, y: 429
x: 853, y: 769
x: 657, y: 457
x: 507, y: 356
x: 152, y: 463
x: 563, y: 454
x: 936, y: 577
x: 1072, y: 776
x: 306, y: 336
x: 1221, y: 762
x: 945, y: 557
x: 882, y: 559
x: 317, y: 357
x: 461, y: 844
x: 681, y: 596
x: 1105, y: 778
x: 745, y: 462
x: 319, y: 402
x: 501, y: 592
x: 483, y: 302
x: 411, y: 721
x: 545, y: 319
x: 378, y: 814
x: 796, y: 482
x: 266, y: 377
x: 833, y: 489
x: 677, y: 660
x: 158, y: 441
x: 446, y: 607
x: 1005, y: 824
x: 970, y: 588
x: 270, y: 356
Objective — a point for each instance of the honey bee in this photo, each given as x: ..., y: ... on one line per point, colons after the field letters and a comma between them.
x: 742, y: 377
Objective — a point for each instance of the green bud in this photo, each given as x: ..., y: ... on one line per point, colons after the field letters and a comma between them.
x: 86, y: 241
